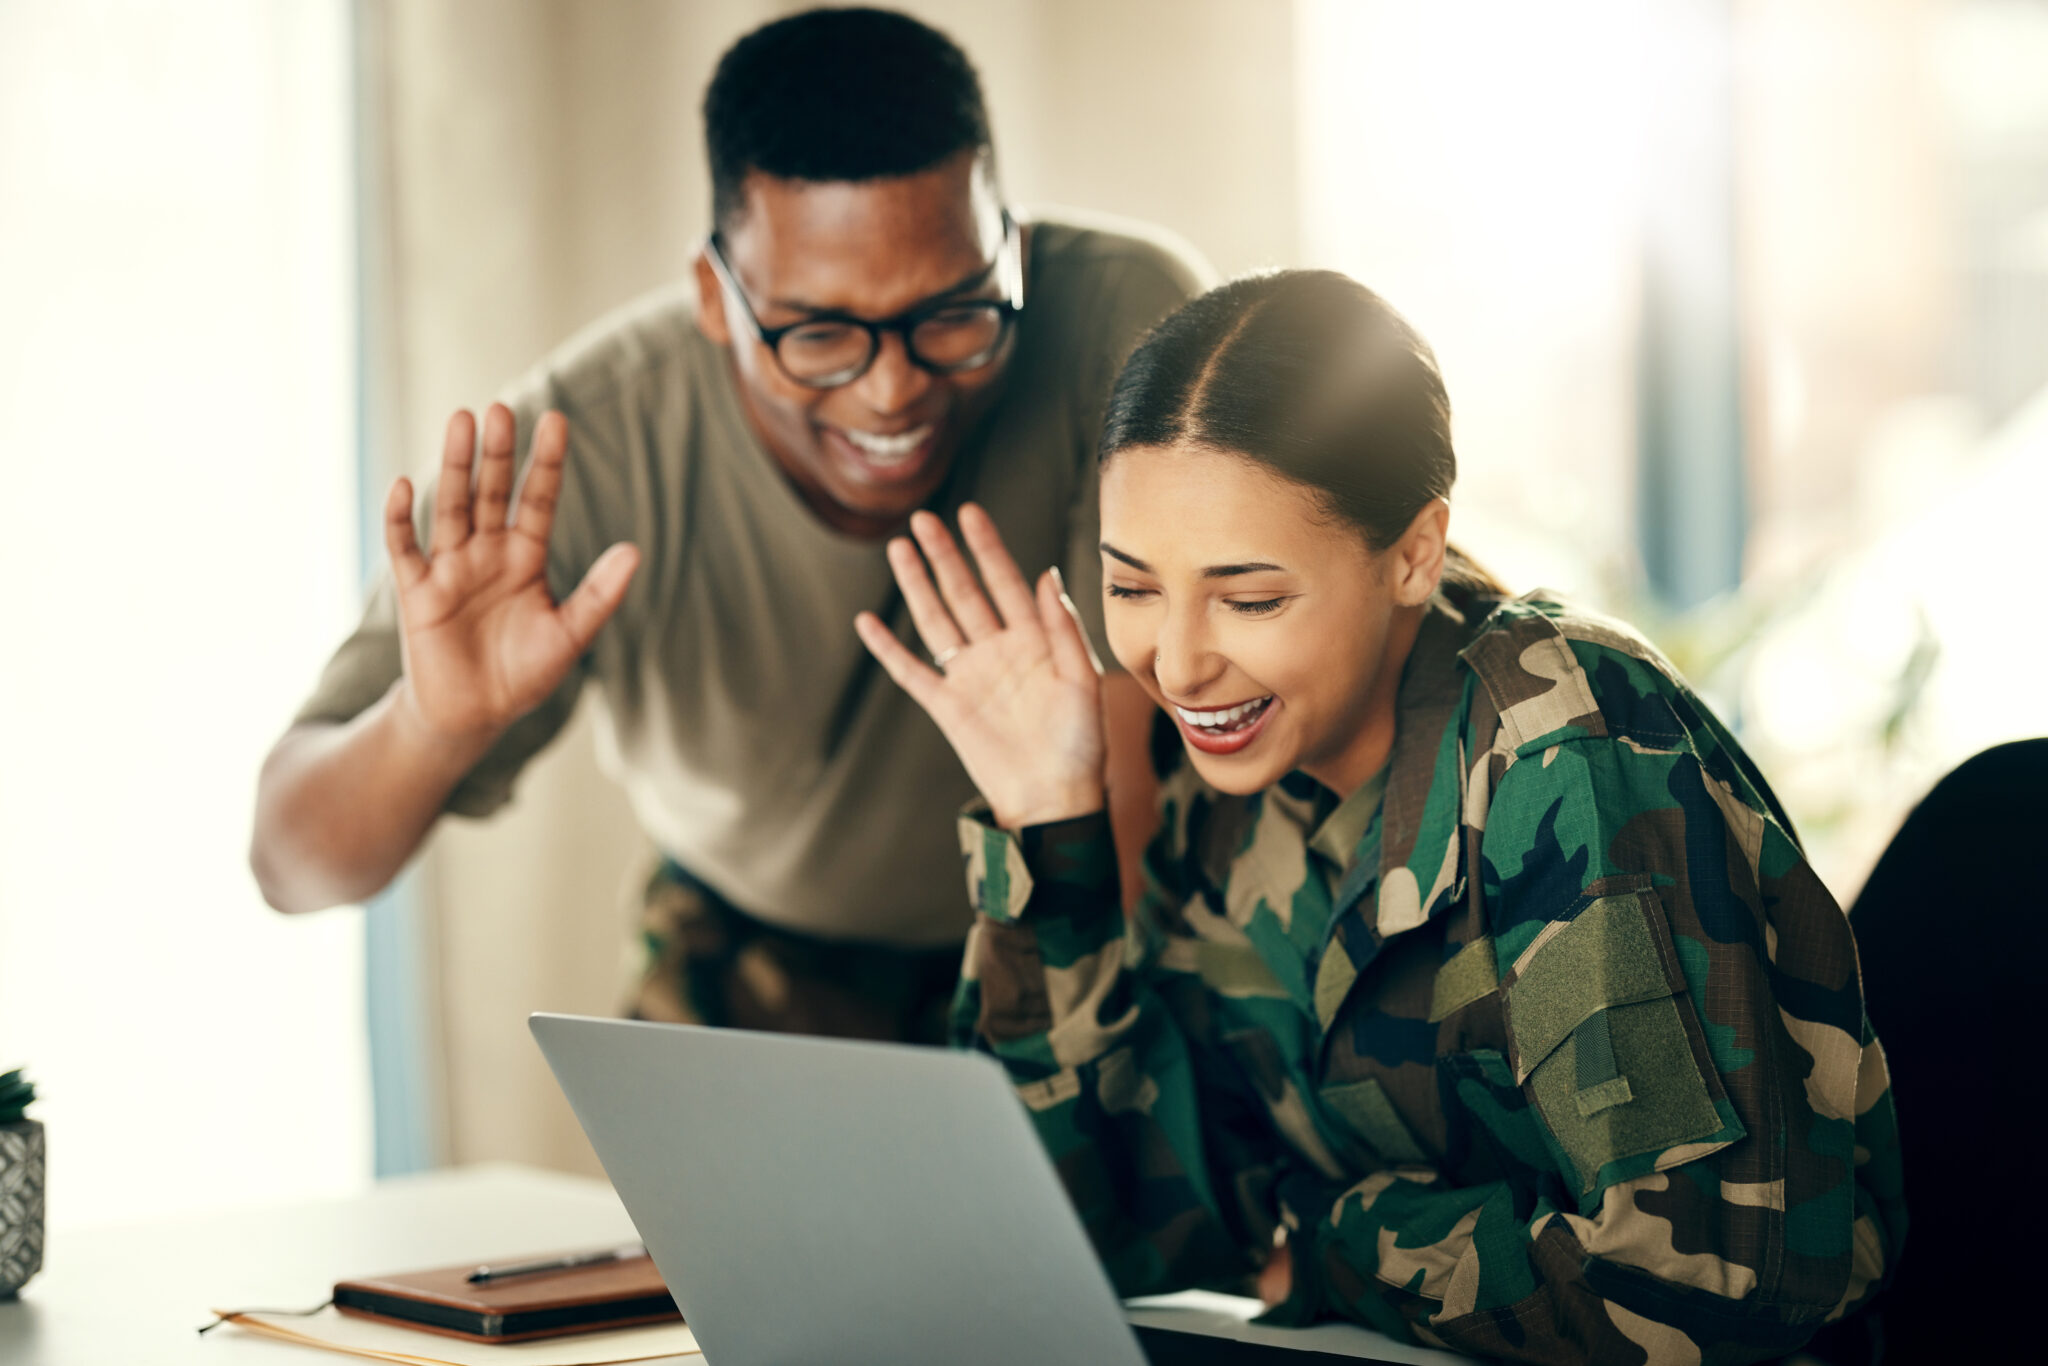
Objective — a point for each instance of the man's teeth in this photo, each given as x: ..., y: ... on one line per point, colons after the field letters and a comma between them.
x: 1228, y: 719
x: 885, y: 448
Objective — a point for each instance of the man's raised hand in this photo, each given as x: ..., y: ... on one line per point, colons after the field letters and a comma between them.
x: 485, y: 642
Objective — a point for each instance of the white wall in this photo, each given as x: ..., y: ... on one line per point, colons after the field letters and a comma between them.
x: 176, y: 473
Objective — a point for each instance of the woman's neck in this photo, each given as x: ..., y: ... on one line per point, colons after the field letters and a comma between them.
x: 1347, y: 770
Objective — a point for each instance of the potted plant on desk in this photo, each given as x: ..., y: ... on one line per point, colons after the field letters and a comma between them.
x: 21, y: 1185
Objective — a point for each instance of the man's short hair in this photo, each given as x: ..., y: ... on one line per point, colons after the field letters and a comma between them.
x: 838, y: 94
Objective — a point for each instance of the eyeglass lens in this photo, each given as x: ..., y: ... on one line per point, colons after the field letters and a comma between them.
x: 953, y: 338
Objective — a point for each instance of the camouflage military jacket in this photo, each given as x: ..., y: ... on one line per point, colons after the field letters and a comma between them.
x: 1555, y: 1051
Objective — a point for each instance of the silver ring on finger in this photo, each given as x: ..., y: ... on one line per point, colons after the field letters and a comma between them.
x: 939, y: 660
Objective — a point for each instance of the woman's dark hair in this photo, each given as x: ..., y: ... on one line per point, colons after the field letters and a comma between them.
x: 1313, y: 376
x: 838, y: 94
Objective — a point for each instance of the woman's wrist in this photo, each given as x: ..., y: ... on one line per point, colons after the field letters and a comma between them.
x: 1047, y: 808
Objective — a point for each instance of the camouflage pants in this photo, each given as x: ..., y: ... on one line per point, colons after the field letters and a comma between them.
x: 707, y: 962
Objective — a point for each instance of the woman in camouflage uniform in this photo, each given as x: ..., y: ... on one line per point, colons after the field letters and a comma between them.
x: 1481, y: 991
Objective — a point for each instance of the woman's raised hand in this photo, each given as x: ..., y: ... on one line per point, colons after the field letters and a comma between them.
x: 1019, y: 693
x: 484, y: 641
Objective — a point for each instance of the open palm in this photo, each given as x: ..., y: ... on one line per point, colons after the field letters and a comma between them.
x: 484, y: 641
x: 1019, y: 694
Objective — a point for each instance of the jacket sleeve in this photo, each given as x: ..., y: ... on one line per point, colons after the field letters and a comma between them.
x: 1692, y: 1117
x: 1054, y: 986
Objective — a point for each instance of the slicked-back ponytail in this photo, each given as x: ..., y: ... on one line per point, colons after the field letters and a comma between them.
x: 1317, y: 378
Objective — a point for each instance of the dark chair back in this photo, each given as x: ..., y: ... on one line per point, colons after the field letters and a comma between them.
x: 1952, y: 929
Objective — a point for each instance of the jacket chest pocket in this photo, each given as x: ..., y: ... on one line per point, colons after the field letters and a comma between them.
x: 1603, y: 1038
x: 1378, y: 1069
x: 1367, y: 1114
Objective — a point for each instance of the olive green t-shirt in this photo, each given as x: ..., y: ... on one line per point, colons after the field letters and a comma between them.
x: 760, y: 745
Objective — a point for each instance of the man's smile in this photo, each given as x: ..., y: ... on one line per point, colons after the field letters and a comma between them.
x: 883, y: 457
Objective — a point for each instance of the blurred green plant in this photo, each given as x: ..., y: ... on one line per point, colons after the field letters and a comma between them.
x: 1911, y: 684
x: 1715, y: 644
x: 1711, y: 645
x: 17, y: 1093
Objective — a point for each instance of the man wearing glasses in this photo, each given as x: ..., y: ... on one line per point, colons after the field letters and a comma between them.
x: 688, y: 505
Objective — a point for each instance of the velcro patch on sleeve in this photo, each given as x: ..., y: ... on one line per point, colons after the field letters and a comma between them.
x: 1657, y: 1098
x: 1591, y: 1100
x: 1595, y: 1024
x: 1605, y: 956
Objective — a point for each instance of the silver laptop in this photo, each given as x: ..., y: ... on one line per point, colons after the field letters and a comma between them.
x: 815, y: 1200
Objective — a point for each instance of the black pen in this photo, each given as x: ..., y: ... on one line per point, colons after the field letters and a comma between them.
x: 573, y: 1260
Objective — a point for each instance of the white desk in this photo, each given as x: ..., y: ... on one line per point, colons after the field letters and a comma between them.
x: 125, y: 1296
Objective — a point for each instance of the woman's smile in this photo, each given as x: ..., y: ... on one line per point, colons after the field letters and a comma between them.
x: 1225, y: 730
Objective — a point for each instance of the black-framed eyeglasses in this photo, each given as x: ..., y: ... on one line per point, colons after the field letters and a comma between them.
x: 945, y: 337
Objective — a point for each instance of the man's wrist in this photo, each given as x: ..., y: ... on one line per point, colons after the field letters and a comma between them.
x: 442, y: 750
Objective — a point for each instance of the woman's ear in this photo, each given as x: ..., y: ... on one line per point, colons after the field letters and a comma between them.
x: 1416, y: 563
x: 711, y: 304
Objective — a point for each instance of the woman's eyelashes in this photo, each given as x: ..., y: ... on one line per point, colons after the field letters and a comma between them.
x: 1257, y: 607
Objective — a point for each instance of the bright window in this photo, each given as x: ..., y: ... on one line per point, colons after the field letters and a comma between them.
x: 177, y: 445
x: 1474, y: 164
x: 1496, y: 169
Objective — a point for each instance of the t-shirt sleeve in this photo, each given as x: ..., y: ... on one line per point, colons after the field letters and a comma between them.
x: 1142, y: 286
x: 362, y: 669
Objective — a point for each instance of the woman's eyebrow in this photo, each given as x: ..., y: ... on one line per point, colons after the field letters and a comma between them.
x: 1132, y: 560
x: 1214, y: 571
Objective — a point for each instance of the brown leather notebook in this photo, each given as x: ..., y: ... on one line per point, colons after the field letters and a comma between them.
x: 584, y: 1299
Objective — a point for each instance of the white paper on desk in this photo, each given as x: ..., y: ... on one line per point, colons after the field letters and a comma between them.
x: 339, y: 1332
x: 1229, y: 1316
